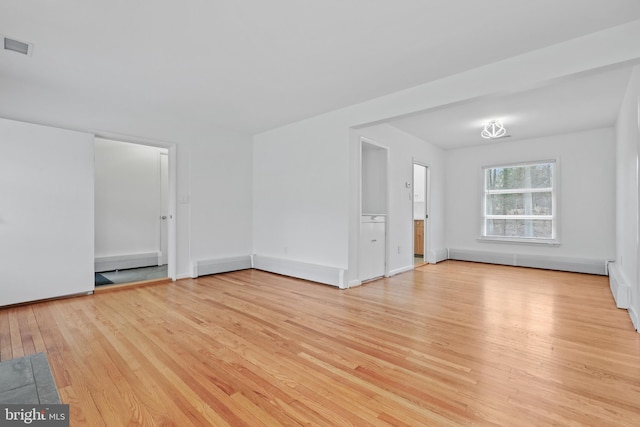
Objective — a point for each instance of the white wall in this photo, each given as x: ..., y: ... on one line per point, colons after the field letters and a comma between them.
x: 297, y: 180
x: 627, y: 140
x: 306, y: 173
x: 127, y: 198
x: 373, y: 166
x: 586, y: 203
x: 403, y: 150
x: 220, y: 202
x: 46, y: 212
x: 301, y: 194
x: 213, y: 173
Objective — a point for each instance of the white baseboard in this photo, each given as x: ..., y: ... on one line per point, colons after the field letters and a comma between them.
x: 620, y: 288
x: 206, y: 267
x: 577, y: 265
x: 302, y: 270
x: 354, y: 283
x: 401, y: 270
x: 634, y: 318
x: 121, y: 262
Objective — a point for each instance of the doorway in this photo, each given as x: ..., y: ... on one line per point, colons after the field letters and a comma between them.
x: 372, y: 259
x: 420, y: 214
x: 132, y: 212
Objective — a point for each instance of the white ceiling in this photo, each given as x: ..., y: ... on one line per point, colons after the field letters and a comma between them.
x: 576, y: 104
x: 252, y: 65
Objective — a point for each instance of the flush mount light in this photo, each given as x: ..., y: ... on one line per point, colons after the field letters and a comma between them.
x: 492, y: 130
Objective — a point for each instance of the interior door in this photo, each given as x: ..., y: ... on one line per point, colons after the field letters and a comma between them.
x: 164, y: 208
x: 420, y: 216
x: 46, y: 212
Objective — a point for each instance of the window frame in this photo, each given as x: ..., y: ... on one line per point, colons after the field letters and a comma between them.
x: 554, y: 218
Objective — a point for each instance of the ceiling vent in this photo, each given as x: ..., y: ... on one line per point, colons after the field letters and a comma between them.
x: 17, y: 46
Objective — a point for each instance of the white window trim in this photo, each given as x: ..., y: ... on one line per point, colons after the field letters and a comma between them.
x: 555, y: 241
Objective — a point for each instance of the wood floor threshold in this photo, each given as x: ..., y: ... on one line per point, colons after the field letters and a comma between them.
x: 121, y: 286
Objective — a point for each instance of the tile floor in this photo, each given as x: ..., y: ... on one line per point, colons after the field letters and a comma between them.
x: 136, y: 274
x: 27, y: 380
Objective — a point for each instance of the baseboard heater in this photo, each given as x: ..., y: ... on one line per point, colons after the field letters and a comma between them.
x: 577, y: 265
x: 206, y: 267
x: 122, y: 262
x: 619, y: 289
x: 438, y: 255
x: 302, y: 270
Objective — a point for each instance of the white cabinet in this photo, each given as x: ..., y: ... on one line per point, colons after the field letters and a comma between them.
x: 372, y: 246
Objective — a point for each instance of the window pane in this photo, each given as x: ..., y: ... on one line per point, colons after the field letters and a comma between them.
x: 530, y: 176
x: 519, y: 204
x: 533, y: 228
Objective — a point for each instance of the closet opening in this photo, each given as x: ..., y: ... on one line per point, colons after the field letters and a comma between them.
x: 132, y: 213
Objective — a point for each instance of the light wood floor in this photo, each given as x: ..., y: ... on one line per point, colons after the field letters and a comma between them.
x: 449, y: 344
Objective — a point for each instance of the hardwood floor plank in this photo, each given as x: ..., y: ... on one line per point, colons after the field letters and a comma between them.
x: 6, y: 352
x: 26, y: 332
x: 17, y: 349
x: 36, y: 334
x: 449, y: 344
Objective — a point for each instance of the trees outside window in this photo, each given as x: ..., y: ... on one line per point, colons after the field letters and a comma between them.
x: 519, y: 202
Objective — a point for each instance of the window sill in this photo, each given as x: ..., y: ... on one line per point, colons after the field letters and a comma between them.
x: 520, y: 241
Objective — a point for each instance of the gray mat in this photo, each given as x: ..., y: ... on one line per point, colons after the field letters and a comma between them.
x: 27, y: 380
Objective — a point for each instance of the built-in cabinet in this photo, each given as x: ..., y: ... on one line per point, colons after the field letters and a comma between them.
x: 373, y: 220
x: 372, y: 246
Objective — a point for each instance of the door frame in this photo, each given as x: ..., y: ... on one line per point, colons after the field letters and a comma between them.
x: 427, y: 219
x: 362, y: 141
x: 163, y: 211
x: 172, y: 195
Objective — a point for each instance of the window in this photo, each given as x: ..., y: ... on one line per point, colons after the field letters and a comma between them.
x: 519, y: 203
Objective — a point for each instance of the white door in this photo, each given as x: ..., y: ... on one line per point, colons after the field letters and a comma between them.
x: 164, y: 208
x: 420, y: 216
x: 46, y: 212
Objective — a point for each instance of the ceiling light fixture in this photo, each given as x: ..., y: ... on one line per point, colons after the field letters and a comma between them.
x: 493, y: 129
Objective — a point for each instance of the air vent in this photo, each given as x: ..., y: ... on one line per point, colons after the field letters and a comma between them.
x: 17, y: 46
